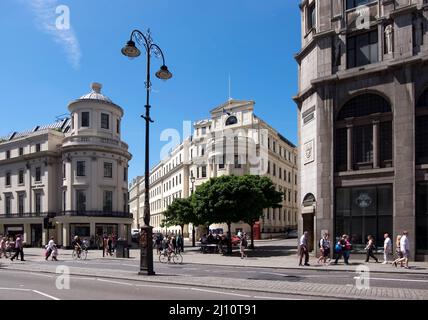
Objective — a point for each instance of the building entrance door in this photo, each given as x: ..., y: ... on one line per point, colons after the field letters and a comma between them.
x: 36, y: 235
x: 308, y: 225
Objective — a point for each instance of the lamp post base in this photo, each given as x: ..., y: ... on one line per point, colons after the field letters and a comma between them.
x: 146, y: 251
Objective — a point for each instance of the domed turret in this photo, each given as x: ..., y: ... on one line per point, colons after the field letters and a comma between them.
x: 95, y: 114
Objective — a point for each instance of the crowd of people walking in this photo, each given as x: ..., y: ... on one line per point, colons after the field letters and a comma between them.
x: 12, y: 248
x: 343, y: 248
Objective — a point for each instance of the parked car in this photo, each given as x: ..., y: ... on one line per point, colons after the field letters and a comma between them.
x: 135, y: 235
x: 292, y: 234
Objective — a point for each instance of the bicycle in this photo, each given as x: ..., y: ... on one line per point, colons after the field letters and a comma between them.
x: 80, y: 256
x: 167, y: 256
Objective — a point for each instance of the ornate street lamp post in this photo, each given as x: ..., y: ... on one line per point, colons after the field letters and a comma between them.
x: 192, y: 180
x: 131, y: 51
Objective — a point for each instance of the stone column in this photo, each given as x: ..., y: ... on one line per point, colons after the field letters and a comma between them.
x: 45, y: 235
x: 404, y: 150
x: 376, y: 147
x: 349, y: 153
x: 27, y: 233
x: 66, y: 234
x: 121, y: 231
x: 92, y: 229
x: 59, y: 233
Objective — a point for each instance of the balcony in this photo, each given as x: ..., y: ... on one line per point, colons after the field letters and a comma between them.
x: 94, y: 140
x: 102, y: 214
x: 28, y: 215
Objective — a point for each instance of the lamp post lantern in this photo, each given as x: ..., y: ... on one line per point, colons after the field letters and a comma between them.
x: 192, y: 180
x: 131, y: 50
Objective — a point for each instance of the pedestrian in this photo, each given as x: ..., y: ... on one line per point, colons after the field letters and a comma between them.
x: 342, y: 249
x: 370, y: 247
x: 19, y: 250
x: 243, y: 245
x: 304, y: 249
x: 399, y: 255
x: 180, y: 244
x: 405, y: 248
x: 54, y: 252
x: 49, y: 248
x: 3, y: 247
x: 387, y: 248
x: 105, y: 245
x: 324, y: 248
x: 174, y: 243
x: 110, y: 245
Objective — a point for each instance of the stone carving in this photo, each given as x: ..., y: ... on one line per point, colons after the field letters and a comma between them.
x: 389, y: 32
x: 337, y: 51
x: 308, y: 151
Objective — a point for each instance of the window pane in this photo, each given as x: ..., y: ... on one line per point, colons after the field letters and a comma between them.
x: 105, y: 121
x: 363, y: 144
x: 341, y: 149
x: 385, y: 141
x: 85, y: 119
x: 422, y: 216
x: 421, y: 139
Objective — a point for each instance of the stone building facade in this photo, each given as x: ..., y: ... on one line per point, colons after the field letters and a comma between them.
x: 205, y: 155
x: 68, y: 178
x: 362, y: 114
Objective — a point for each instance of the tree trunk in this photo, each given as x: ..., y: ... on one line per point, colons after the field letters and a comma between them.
x: 252, y: 235
x: 182, y: 238
x: 229, y: 239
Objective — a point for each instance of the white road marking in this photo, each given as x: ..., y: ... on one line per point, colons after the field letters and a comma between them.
x: 14, y: 289
x: 161, y: 286
x: 220, y: 292
x: 116, y: 282
x: 274, y: 298
x: 390, y: 279
x: 41, y: 275
x: 46, y: 295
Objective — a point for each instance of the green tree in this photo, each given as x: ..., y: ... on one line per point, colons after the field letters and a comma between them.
x: 179, y: 213
x: 230, y: 199
x: 261, y: 194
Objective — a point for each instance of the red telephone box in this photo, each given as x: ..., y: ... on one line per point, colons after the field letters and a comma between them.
x: 256, y: 230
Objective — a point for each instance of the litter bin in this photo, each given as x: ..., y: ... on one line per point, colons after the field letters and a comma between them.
x: 122, y: 250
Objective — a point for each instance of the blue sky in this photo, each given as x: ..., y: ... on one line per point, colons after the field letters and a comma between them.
x: 204, y: 41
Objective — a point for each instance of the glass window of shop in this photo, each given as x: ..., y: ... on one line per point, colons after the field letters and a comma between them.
x: 422, y: 217
x: 81, y: 230
x: 363, y: 211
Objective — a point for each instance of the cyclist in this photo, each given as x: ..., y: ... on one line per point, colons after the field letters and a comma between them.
x: 77, y: 245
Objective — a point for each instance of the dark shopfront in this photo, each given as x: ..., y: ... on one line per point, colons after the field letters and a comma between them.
x: 362, y: 211
x: 422, y: 218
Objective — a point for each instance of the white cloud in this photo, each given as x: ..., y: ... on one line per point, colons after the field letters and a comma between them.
x: 46, y: 18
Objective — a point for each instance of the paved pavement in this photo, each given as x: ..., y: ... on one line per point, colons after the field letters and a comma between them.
x: 279, y: 254
x: 271, y: 269
x: 39, y: 286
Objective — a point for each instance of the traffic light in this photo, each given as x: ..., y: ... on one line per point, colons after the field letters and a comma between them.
x: 46, y: 223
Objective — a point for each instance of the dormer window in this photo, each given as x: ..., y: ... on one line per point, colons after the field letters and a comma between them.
x: 231, y: 121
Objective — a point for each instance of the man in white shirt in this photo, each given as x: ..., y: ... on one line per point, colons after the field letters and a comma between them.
x: 387, y: 248
x: 304, y: 248
x: 50, y: 248
x: 405, y: 248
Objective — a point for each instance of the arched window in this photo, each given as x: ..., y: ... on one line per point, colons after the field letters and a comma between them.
x: 421, y: 134
x: 363, y: 138
x: 364, y: 105
x: 309, y: 200
x: 231, y: 121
